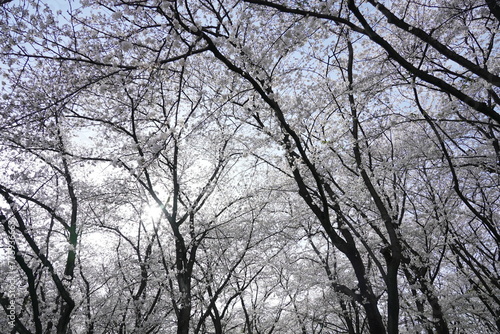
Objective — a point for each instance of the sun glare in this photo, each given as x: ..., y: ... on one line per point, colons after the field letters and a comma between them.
x: 152, y: 211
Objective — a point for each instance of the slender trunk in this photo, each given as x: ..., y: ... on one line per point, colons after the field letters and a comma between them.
x: 392, y: 297
x: 184, y: 283
x: 369, y: 301
x: 216, y: 320
x: 184, y: 311
x: 183, y: 319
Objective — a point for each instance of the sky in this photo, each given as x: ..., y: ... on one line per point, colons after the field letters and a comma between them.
x: 59, y: 4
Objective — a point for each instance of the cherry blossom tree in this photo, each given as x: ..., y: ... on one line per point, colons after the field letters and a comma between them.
x: 255, y: 166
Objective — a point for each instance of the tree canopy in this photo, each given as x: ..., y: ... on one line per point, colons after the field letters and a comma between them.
x: 249, y: 166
